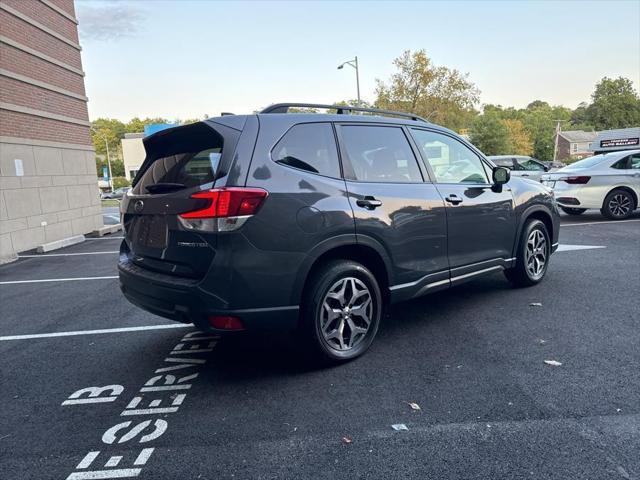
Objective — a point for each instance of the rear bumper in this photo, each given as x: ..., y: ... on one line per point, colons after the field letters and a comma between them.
x: 182, y: 300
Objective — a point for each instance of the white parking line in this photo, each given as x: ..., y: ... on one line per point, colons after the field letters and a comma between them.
x: 95, y: 332
x: 67, y: 254
x: 58, y: 280
x: 568, y: 248
x: 597, y: 223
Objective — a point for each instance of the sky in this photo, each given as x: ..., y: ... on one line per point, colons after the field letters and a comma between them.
x: 186, y: 59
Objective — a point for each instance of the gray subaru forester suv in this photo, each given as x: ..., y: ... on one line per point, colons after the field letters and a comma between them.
x: 314, y: 222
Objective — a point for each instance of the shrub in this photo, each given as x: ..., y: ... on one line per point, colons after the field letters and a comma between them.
x: 119, y: 182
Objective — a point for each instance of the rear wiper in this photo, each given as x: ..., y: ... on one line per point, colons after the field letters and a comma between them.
x: 164, y: 187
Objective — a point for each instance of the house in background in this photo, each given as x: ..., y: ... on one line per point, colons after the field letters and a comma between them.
x: 575, y: 144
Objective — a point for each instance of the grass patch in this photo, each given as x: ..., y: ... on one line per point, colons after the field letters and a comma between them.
x: 110, y: 203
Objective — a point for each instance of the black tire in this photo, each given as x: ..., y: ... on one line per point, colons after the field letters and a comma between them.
x: 618, y: 205
x: 573, y: 211
x: 521, y: 275
x: 314, y: 313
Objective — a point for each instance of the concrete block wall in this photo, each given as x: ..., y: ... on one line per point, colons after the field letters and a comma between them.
x: 44, y: 124
x: 56, y: 197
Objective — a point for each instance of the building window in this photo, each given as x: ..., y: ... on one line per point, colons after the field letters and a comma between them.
x: 574, y: 147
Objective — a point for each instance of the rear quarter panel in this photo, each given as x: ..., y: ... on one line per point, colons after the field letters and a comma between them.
x: 301, y: 211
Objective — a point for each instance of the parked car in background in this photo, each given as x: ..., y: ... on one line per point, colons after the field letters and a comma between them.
x: 609, y: 182
x: 521, y: 165
x: 116, y: 194
x: 315, y: 222
x: 554, y: 165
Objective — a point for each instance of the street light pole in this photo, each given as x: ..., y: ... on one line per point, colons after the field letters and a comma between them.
x: 357, y: 79
x: 106, y: 144
x: 353, y: 63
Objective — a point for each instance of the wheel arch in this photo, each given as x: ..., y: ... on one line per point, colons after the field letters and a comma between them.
x: 538, y: 212
x: 365, y: 251
x: 627, y: 189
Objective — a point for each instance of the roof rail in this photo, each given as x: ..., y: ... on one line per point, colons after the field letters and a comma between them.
x: 340, y: 110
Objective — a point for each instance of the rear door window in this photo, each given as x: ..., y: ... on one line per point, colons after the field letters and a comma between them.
x: 379, y: 154
x: 310, y: 147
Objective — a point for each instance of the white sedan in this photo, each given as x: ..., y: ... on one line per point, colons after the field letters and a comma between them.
x: 609, y: 182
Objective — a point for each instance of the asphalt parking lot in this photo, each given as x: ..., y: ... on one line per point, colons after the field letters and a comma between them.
x: 472, y: 359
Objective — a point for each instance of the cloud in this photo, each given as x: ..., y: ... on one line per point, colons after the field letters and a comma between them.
x: 108, y: 22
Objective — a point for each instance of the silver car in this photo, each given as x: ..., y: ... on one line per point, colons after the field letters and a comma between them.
x: 521, y: 166
x: 609, y: 182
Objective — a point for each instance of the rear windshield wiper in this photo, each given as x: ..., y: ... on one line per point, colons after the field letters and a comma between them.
x: 164, y: 187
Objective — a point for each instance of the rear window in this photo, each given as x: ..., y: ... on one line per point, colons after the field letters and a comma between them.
x: 586, y: 163
x: 503, y: 162
x: 192, y: 158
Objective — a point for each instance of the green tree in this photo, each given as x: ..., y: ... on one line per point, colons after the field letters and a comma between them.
x: 614, y: 104
x: 490, y: 134
x: 109, y: 130
x: 440, y: 94
x: 540, y: 120
x: 519, y: 142
x: 136, y: 125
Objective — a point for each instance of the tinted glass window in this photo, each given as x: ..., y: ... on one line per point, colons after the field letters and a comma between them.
x: 634, y: 161
x: 310, y: 147
x: 451, y: 160
x: 503, y: 162
x: 185, y: 169
x: 586, y: 163
x: 380, y: 154
x: 530, y: 165
x: 184, y: 157
x: 621, y: 164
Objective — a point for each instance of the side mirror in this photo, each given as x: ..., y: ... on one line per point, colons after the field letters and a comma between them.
x: 546, y: 168
x: 501, y: 175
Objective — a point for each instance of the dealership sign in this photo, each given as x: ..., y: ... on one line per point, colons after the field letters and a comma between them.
x: 619, y: 142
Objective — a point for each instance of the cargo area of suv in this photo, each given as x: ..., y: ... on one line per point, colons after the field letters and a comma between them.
x: 315, y: 222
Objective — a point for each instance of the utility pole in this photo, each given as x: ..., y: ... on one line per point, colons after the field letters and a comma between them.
x: 555, y: 147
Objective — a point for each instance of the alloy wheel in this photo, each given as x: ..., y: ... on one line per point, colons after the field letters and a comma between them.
x: 536, y: 254
x: 346, y: 313
x: 619, y: 205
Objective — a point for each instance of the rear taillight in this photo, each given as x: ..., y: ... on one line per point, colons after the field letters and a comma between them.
x: 227, y: 209
x: 579, y: 180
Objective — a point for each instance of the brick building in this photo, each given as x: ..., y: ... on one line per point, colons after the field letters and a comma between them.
x: 48, y: 181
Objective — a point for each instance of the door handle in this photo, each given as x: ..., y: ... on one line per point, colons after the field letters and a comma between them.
x: 454, y: 199
x: 524, y: 175
x: 369, y: 202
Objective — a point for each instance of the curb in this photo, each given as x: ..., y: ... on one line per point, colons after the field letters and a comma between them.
x: 107, y: 229
x: 65, y: 242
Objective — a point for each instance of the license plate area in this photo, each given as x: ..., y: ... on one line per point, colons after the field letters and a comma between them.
x: 150, y: 231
